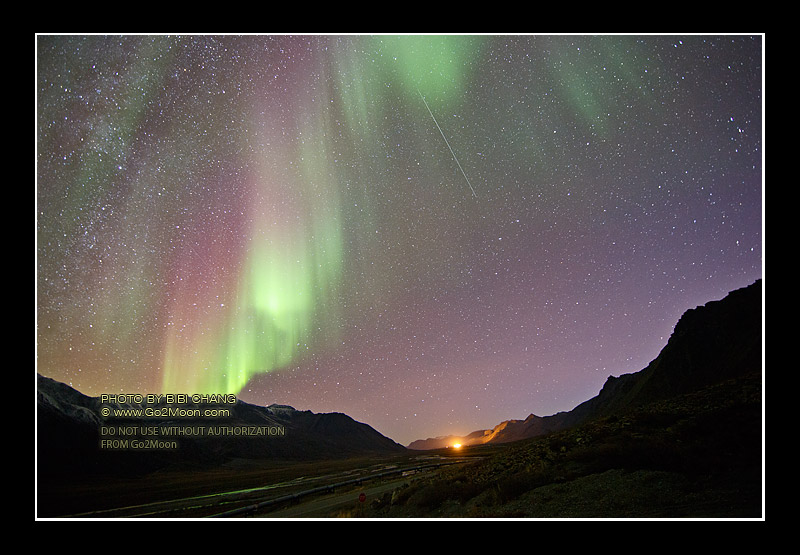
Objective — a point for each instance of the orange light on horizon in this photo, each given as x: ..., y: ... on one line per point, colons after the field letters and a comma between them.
x: 456, y: 445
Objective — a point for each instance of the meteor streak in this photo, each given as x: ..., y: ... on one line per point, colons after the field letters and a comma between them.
x: 448, y: 144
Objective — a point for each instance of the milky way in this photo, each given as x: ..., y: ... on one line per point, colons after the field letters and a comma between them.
x: 279, y: 217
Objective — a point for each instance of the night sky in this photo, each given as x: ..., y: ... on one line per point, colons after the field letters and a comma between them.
x: 431, y: 234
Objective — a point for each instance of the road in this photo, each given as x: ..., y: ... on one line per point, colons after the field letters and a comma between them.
x: 307, y: 497
x: 346, y: 503
x: 321, y: 500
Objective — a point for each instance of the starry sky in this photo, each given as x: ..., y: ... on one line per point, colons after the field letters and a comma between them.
x: 431, y: 234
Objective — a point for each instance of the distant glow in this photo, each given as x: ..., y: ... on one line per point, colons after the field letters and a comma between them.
x: 456, y: 445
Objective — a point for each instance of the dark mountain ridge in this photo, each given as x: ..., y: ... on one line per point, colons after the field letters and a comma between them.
x: 711, y: 343
x: 70, y: 429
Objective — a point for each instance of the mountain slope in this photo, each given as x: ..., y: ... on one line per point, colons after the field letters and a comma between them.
x: 69, y: 426
x: 711, y: 343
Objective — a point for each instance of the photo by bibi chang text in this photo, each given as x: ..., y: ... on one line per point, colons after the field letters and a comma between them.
x: 129, y: 432
x: 178, y: 405
x: 168, y: 398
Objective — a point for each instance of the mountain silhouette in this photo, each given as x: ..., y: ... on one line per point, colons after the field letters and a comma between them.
x: 70, y: 429
x: 718, y: 341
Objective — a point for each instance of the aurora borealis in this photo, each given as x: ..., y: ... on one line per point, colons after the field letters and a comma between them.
x: 431, y: 234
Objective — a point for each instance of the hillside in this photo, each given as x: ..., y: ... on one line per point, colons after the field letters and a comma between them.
x: 713, y: 342
x: 683, y: 438
x: 696, y: 455
x: 70, y: 425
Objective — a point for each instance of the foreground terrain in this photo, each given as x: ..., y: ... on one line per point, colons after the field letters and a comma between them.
x: 683, y: 438
x: 694, y: 456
